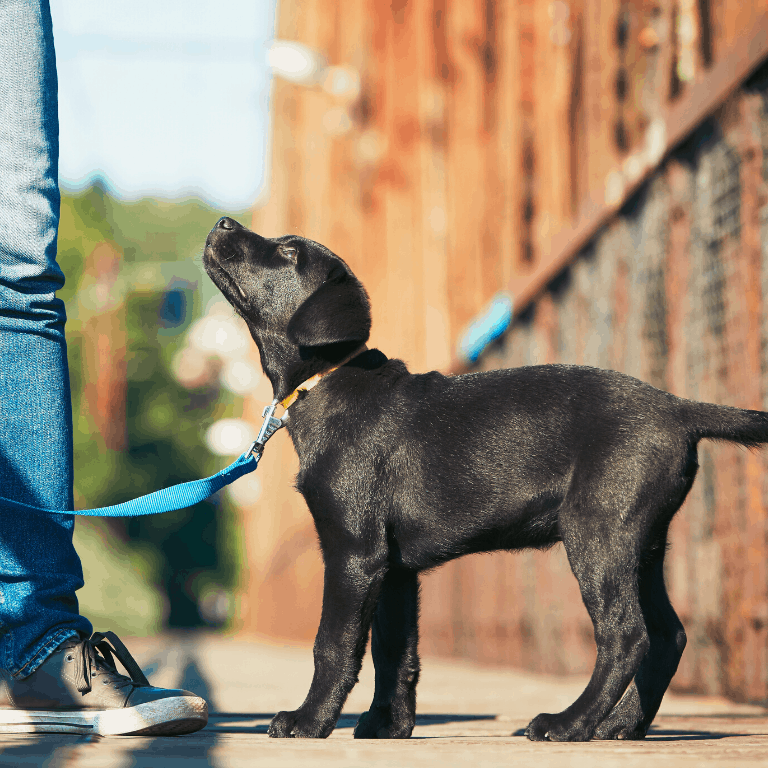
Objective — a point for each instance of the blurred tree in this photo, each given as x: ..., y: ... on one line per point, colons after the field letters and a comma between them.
x: 133, y: 307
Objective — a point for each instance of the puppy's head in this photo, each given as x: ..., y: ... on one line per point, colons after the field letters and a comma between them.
x: 294, y: 294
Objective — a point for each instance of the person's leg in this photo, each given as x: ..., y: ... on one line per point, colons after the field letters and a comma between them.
x: 39, y: 568
x: 53, y: 675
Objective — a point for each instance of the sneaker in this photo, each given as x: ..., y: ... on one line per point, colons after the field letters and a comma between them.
x: 78, y: 689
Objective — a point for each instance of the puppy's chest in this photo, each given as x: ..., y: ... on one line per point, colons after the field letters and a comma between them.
x: 355, y: 481
x: 343, y: 481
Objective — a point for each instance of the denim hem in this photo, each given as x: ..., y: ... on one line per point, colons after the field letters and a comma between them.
x: 51, y: 643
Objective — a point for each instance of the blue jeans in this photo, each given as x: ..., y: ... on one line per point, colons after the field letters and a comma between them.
x: 39, y: 568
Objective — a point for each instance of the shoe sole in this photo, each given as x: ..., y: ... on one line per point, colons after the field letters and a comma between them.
x: 173, y: 716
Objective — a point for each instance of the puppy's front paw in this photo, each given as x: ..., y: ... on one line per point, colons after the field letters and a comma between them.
x: 546, y: 727
x: 378, y: 723
x: 297, y: 724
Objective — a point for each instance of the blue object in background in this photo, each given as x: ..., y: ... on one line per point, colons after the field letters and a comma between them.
x: 486, y: 327
x: 173, y: 311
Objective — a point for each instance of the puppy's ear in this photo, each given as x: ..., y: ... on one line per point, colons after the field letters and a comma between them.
x: 337, y: 311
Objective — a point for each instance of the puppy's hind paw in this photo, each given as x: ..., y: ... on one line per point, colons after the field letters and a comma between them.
x: 538, y: 728
x: 620, y: 731
x: 281, y: 726
x: 377, y: 723
x: 546, y: 727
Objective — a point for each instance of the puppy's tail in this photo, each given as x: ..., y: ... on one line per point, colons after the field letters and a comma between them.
x: 721, y: 422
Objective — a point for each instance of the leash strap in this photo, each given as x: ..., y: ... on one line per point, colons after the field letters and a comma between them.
x: 187, y: 494
x: 177, y: 496
x: 165, y: 500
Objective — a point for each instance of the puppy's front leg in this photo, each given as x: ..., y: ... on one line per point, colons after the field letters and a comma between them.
x: 350, y: 592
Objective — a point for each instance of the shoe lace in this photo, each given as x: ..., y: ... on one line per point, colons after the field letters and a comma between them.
x: 99, y: 653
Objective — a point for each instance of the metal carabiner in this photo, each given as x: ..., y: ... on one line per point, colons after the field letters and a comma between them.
x: 269, y: 426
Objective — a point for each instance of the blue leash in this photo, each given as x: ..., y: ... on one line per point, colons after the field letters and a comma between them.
x: 183, y: 494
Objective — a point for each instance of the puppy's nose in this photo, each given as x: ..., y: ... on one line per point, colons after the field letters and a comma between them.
x: 225, y: 223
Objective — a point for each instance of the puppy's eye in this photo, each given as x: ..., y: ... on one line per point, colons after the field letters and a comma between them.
x: 290, y: 252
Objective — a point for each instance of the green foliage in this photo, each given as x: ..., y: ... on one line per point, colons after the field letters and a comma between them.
x: 174, y: 556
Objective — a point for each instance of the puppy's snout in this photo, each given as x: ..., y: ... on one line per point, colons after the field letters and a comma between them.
x: 226, y: 223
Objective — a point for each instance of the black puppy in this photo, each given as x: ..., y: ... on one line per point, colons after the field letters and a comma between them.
x: 402, y: 472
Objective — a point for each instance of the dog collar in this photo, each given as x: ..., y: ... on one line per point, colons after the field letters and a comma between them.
x: 271, y: 424
x: 313, y: 381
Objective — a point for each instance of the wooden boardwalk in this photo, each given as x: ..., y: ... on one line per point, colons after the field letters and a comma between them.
x: 469, y: 715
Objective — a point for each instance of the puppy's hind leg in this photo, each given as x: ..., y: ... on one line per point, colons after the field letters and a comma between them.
x: 394, y: 648
x: 604, y: 560
x: 633, y: 715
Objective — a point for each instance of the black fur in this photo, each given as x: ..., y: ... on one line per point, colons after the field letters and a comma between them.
x: 402, y: 472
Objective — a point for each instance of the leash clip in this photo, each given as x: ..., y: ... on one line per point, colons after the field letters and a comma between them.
x: 269, y: 426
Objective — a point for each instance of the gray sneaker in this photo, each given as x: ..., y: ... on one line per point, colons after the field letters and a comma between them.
x: 77, y: 689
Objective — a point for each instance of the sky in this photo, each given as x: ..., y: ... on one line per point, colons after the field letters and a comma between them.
x: 165, y: 97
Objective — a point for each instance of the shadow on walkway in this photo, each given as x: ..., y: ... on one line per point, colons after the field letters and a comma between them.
x: 667, y: 734
x: 235, y: 722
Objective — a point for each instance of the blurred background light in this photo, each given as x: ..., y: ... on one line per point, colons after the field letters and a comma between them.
x: 191, y: 368
x: 229, y: 437
x: 240, y: 377
x: 343, y: 82
x: 219, y: 332
x: 295, y: 62
x: 245, y: 490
